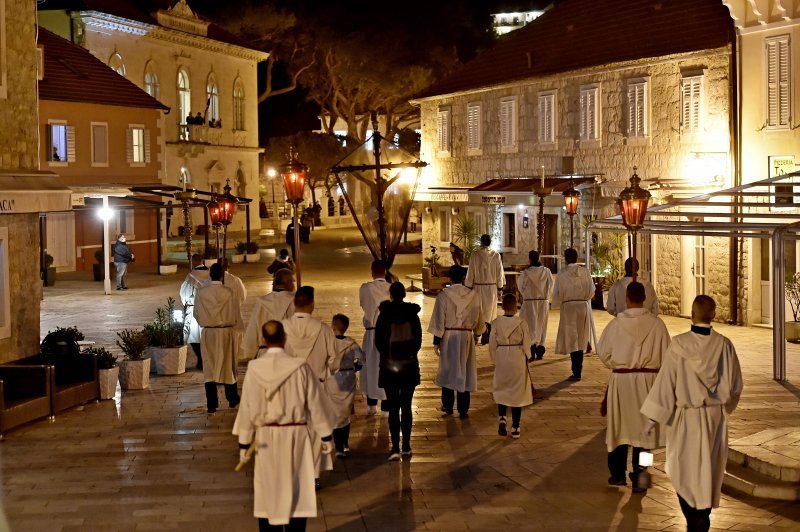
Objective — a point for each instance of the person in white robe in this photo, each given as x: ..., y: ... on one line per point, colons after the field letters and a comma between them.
x: 698, y: 387
x: 370, y: 297
x: 216, y: 309
x: 341, y: 387
x: 455, y: 324
x: 277, y: 305
x: 196, y: 278
x: 616, y: 294
x: 508, y: 347
x: 485, y: 276
x: 309, y: 339
x: 631, y: 346
x: 283, y: 408
x: 240, y: 292
x: 534, y: 285
x: 572, y: 292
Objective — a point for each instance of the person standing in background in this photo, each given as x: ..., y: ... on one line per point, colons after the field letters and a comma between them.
x: 122, y: 255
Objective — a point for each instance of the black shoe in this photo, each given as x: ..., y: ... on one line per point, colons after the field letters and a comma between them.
x: 447, y: 413
x: 539, y: 352
x: 212, y: 410
x: 124, y: 287
x: 234, y: 404
x: 463, y: 415
x: 573, y: 378
x: 120, y: 288
x: 613, y: 481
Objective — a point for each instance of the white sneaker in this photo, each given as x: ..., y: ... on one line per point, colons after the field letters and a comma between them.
x: 394, y: 457
x: 372, y: 410
x: 515, y: 432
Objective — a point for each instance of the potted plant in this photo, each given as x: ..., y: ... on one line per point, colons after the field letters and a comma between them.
x: 251, y: 252
x: 134, y: 370
x: 210, y: 257
x: 165, y: 338
x: 238, y: 257
x: 167, y: 268
x: 107, y: 369
x: 49, y: 270
x: 465, y: 233
x: 98, y: 270
x: 792, y: 287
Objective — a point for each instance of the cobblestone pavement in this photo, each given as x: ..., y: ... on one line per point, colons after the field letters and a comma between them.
x: 154, y: 460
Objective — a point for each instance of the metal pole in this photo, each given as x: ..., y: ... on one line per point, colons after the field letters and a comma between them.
x: 159, y: 240
x: 634, y: 269
x: 106, y: 250
x: 778, y: 309
x: 216, y: 232
x: 571, y: 230
x: 296, y: 244
x: 247, y: 222
x: 376, y: 143
x: 224, y: 245
x: 205, y: 233
x: 540, y: 225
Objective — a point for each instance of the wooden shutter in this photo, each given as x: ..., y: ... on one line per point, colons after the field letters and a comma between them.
x: 146, y: 145
x: 778, y: 82
x: 546, y: 118
x: 637, y: 110
x: 691, y: 103
x: 632, y: 131
x: 507, y: 136
x: 589, y: 114
x: 71, y: 144
x: 473, y: 127
x: 444, y: 130
x: 129, y: 145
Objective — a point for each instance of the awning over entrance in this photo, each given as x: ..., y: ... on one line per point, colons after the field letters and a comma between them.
x: 32, y: 192
x: 527, y: 185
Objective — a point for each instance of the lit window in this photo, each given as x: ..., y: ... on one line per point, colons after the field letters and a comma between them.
x: 691, y: 103
x: 184, y: 96
x: 212, y: 99
x: 779, y: 78
x: 116, y: 64
x: 238, y: 105
x: 508, y: 123
x: 590, y: 113
x: 637, y: 109
x: 443, y: 130
x: 547, y: 106
x: 138, y: 145
x: 151, y: 81
x: 474, y: 127
x: 61, y: 142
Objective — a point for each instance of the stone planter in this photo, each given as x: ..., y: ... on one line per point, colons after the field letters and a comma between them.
x: 134, y: 374
x: 167, y: 269
x: 108, y: 382
x: 169, y: 360
x: 237, y: 258
x: 793, y: 332
x: 252, y: 257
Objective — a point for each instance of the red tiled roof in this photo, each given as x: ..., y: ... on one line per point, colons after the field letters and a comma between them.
x: 578, y: 34
x: 72, y: 74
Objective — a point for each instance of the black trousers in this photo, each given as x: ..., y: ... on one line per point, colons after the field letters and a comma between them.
x: 696, y: 520
x: 341, y: 437
x: 296, y: 524
x: 449, y: 397
x: 231, y: 394
x: 196, y: 349
x: 617, y: 461
x: 516, y: 414
x: 577, y: 363
x: 398, y: 399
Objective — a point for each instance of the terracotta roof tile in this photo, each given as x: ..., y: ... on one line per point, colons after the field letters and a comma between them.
x: 578, y: 34
x: 72, y: 74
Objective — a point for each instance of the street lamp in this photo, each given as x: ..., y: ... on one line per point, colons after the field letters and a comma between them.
x: 571, y: 198
x: 214, y: 217
x: 633, y: 208
x: 221, y: 210
x: 294, y: 175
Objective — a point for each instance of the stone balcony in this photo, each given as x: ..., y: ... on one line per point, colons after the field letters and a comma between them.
x: 193, y: 139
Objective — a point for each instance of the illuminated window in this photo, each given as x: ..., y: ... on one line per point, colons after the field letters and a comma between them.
x: 691, y: 103
x: 184, y: 96
x: 138, y: 152
x: 212, y: 98
x: 61, y: 142
x: 116, y: 64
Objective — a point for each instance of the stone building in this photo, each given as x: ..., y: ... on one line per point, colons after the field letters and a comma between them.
x: 192, y: 66
x: 25, y: 192
x: 589, y: 90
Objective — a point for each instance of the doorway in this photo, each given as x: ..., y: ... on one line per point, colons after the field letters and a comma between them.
x: 693, y: 271
x: 60, y: 240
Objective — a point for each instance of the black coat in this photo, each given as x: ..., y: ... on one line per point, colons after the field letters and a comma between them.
x: 399, y: 365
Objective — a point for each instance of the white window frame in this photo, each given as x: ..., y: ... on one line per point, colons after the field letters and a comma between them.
x: 137, y: 156
x: 778, y: 85
x: 638, y: 110
x: 212, y: 97
x: 184, y: 95
x: 69, y: 143
x: 474, y: 129
x: 509, y: 118
x: 514, y: 214
x: 239, y: 106
x: 590, y: 118
x: 92, y: 126
x: 443, y: 131
x: 151, y: 84
x: 692, y: 102
x: 547, y: 117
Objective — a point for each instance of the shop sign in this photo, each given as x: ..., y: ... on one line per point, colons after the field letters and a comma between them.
x: 493, y: 200
x: 781, y: 165
x: 441, y: 197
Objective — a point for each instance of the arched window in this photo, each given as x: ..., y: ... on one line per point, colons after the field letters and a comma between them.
x: 185, y: 176
x: 212, y: 98
x: 116, y: 64
x: 238, y: 105
x: 151, y: 80
x: 184, y: 96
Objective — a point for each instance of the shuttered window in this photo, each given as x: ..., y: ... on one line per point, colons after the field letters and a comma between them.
x: 778, y: 82
x: 590, y: 115
x: 99, y: 144
x: 474, y: 127
x: 691, y: 103
x: 508, y: 123
x: 443, y: 130
x: 547, y: 104
x: 61, y: 142
x: 138, y: 145
x: 637, y: 109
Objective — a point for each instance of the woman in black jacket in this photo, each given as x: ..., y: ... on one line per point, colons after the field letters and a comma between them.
x: 398, y: 337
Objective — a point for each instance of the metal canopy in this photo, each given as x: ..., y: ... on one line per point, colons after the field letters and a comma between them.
x: 762, y: 209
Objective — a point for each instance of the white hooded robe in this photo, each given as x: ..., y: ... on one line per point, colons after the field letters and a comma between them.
x: 509, y: 344
x: 485, y: 276
x: 617, y: 292
x: 699, y: 385
x: 278, y: 306
x: 370, y: 296
x: 217, y: 312
x: 194, y: 280
x: 341, y: 386
x: 635, y: 339
x: 572, y: 291
x: 456, y: 319
x: 283, y: 409
x: 535, y: 284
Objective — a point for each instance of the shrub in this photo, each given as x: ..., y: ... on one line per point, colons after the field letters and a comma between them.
x: 133, y: 342
x: 252, y: 247
x: 68, y: 333
x: 241, y: 248
x: 165, y: 331
x: 105, y: 358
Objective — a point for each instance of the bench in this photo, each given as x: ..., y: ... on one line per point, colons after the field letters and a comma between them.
x: 75, y: 380
x: 26, y: 394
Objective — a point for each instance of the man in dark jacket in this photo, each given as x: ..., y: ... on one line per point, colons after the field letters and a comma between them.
x: 122, y: 255
x: 282, y: 262
x: 398, y: 338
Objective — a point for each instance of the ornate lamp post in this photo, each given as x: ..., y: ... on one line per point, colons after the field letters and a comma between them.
x: 186, y: 197
x: 571, y: 199
x: 214, y: 215
x: 294, y: 174
x: 633, y: 208
x: 542, y: 192
x: 226, y: 206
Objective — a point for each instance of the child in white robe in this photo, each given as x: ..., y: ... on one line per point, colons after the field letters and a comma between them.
x: 342, y: 386
x: 508, y: 346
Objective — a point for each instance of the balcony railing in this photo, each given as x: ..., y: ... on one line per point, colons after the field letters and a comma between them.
x: 200, y: 134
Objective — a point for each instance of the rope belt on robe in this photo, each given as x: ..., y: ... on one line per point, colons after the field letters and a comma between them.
x: 218, y: 327
x: 537, y: 299
x: 509, y: 345
x: 604, y: 402
x: 369, y: 328
x: 457, y: 329
x: 251, y: 449
x: 483, y: 284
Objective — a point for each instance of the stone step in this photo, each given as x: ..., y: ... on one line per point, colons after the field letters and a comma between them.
x: 768, y: 461
x: 745, y: 480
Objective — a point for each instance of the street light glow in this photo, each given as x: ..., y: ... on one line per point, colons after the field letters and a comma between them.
x: 271, y: 172
x: 105, y: 213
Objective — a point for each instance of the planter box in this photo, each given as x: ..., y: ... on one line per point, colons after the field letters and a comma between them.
x: 108, y: 382
x: 237, y: 258
x: 134, y: 374
x: 252, y: 257
x: 167, y: 269
x: 169, y: 360
x: 793, y: 331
